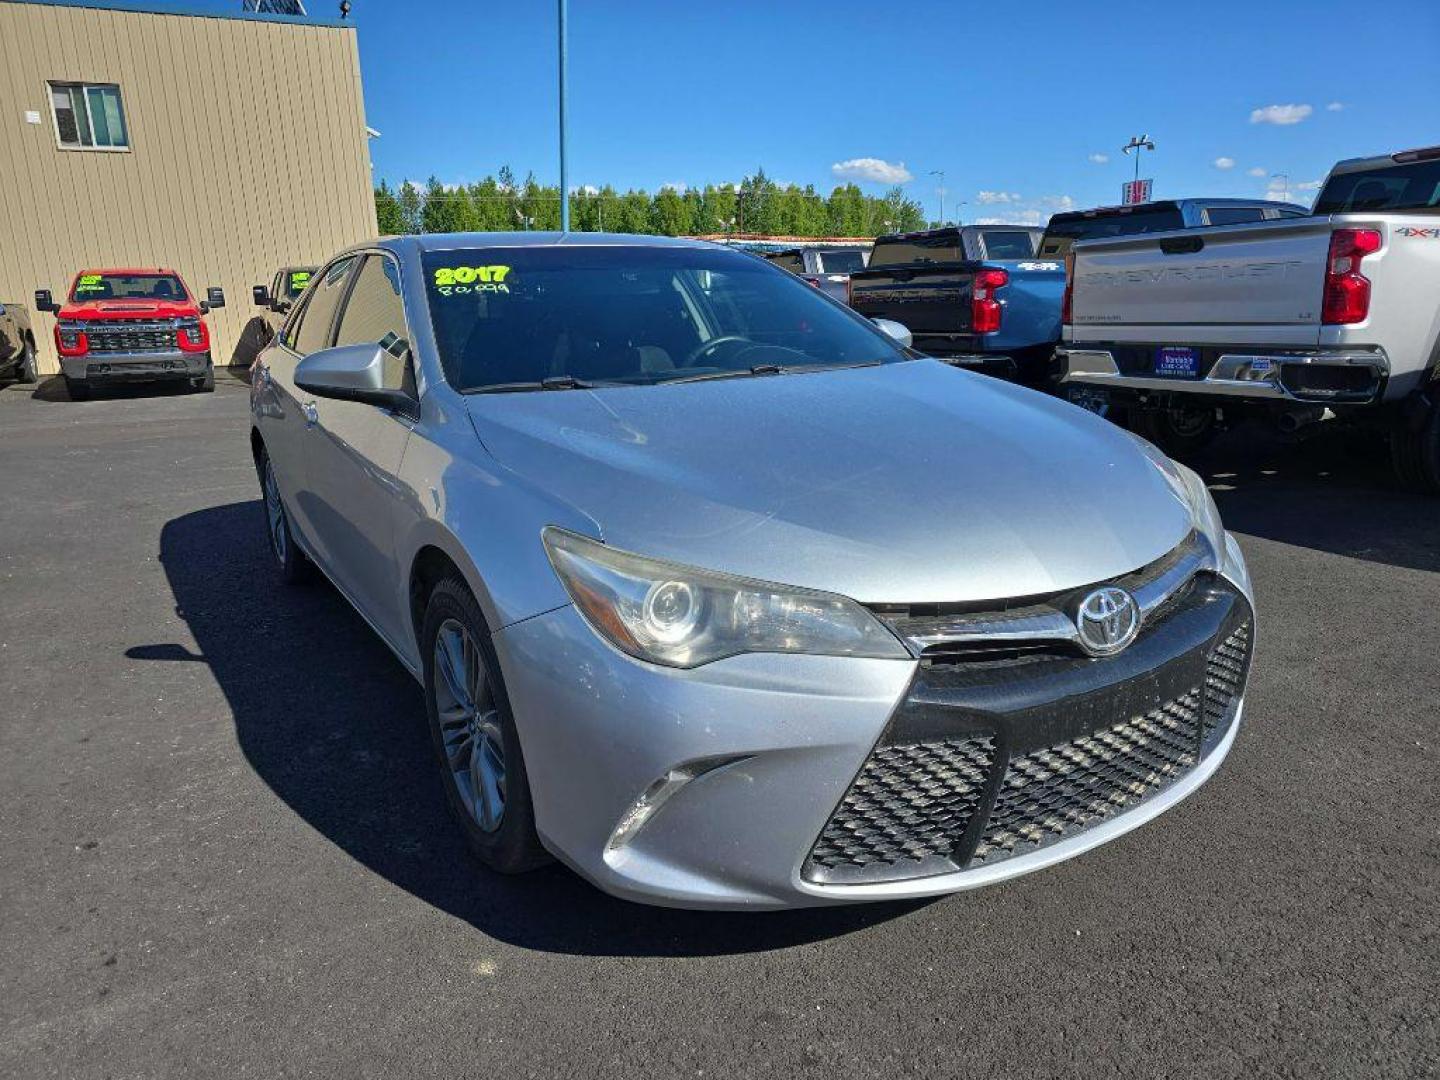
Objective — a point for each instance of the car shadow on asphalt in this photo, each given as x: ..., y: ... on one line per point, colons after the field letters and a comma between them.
x: 1333, y: 492
x: 336, y: 727
x: 51, y: 388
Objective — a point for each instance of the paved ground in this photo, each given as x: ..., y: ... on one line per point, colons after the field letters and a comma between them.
x: 223, y: 851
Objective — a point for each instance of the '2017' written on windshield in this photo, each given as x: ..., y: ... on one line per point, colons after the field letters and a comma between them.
x: 458, y: 280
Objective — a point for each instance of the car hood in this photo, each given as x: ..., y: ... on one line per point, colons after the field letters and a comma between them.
x: 911, y: 482
x: 131, y: 309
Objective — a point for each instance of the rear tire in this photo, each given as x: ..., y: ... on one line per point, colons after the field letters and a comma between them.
x: 473, y: 730
x: 1415, y: 447
x: 78, y: 389
x: 27, y: 371
x: 295, y: 567
x: 1180, y: 432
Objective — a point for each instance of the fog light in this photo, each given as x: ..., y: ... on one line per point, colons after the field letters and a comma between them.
x: 656, y: 796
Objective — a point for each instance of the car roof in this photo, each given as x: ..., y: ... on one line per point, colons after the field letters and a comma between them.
x: 448, y: 241
x: 120, y: 271
x: 1385, y: 161
x: 1168, y: 204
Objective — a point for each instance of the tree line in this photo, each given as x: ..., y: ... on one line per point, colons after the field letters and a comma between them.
x: 756, y: 205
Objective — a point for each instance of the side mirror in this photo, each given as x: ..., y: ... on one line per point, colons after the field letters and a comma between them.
x: 43, y: 301
x: 899, y: 331
x: 215, y: 297
x: 352, y: 373
x: 261, y: 295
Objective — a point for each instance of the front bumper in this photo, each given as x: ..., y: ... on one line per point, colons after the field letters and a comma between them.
x: 783, y: 742
x: 134, y: 367
x: 1297, y: 377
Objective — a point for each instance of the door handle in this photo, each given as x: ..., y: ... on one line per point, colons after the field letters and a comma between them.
x: 312, y: 414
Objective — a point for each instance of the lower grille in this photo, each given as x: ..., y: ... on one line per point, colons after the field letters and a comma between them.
x: 935, y: 806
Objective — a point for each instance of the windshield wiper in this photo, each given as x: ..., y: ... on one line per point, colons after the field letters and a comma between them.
x: 554, y: 382
x: 738, y: 373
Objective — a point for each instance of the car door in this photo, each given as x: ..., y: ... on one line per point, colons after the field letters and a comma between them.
x: 354, y: 452
x: 280, y: 415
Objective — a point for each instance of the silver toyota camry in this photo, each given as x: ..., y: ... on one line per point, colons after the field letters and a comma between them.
x: 724, y: 596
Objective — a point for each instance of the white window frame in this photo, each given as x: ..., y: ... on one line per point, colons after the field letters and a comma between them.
x: 51, y: 85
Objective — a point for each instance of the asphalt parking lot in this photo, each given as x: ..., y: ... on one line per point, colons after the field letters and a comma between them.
x: 224, y: 849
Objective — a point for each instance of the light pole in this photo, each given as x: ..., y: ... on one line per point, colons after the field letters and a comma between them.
x: 1136, y: 144
x: 1285, y: 177
x: 564, y: 91
x: 941, y: 192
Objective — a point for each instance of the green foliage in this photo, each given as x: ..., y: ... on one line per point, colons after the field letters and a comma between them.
x: 756, y: 205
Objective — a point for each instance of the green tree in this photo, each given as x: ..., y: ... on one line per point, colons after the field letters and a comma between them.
x: 669, y: 213
x: 410, y: 207
x: 446, y: 209
x: 389, y: 218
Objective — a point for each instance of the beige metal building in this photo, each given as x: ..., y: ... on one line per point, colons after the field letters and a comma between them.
x: 222, y: 147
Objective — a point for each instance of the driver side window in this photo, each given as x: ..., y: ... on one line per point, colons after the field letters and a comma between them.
x: 375, y: 314
x: 311, y: 331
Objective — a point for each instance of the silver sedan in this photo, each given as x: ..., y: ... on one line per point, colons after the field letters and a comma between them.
x: 724, y: 596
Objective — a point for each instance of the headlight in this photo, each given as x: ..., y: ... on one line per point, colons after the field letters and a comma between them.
x: 683, y: 617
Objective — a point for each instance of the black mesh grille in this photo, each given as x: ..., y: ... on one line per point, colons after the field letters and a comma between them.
x: 1052, y: 793
x: 909, y: 811
x: 909, y: 807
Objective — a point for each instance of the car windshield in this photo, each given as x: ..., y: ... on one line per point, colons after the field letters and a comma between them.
x: 844, y: 261
x: 557, y: 315
x: 1065, y: 229
x: 92, y: 287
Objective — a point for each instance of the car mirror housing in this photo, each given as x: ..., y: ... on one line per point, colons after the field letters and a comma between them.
x: 215, y: 297
x: 261, y: 295
x: 898, y: 331
x: 352, y: 373
x: 44, y: 302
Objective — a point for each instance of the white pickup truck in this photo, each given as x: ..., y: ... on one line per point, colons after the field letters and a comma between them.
x: 1337, y: 314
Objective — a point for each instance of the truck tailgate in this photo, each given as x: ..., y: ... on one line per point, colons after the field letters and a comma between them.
x: 927, y: 299
x: 1224, y: 284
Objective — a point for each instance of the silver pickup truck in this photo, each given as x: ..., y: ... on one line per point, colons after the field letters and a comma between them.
x: 1337, y: 313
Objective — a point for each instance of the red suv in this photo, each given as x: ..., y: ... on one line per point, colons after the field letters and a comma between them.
x: 131, y: 325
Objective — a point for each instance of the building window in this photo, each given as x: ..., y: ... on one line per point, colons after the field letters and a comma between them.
x: 89, y: 116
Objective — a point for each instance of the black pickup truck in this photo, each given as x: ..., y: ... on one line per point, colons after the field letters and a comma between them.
x: 973, y: 295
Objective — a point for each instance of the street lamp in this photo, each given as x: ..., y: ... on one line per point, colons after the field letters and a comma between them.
x: 941, y: 192
x: 1137, y: 144
x: 1285, y: 184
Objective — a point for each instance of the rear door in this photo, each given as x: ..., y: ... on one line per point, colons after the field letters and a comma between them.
x: 355, y: 451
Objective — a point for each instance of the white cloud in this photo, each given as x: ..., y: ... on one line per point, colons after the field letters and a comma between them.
x: 1058, y: 202
x: 1030, y: 212
x: 1019, y: 217
x: 1282, y: 115
x: 874, y: 170
x: 1335, y: 106
x: 678, y: 186
x: 990, y: 198
x: 584, y: 189
x: 1310, y: 185
x: 1256, y: 172
x: 1224, y: 163
x: 1099, y: 159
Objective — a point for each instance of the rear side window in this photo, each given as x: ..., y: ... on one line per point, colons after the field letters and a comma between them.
x: 375, y: 314
x: 1234, y: 215
x: 793, y: 262
x: 311, y: 333
x: 1008, y: 244
x: 907, y: 250
x: 1400, y: 187
x: 1065, y: 229
x: 841, y: 262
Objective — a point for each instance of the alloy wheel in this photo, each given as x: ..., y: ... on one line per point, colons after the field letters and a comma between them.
x: 469, y: 725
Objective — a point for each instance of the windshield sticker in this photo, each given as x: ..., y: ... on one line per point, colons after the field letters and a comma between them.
x: 299, y: 279
x: 89, y: 283
x: 458, y: 280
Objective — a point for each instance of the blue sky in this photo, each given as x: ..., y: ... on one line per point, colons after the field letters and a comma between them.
x: 1016, y: 102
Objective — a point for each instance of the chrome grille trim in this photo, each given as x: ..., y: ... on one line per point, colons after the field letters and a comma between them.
x: 1050, y: 620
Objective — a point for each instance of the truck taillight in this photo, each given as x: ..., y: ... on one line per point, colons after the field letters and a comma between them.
x: 192, y: 336
x: 1347, y: 290
x: 984, y: 308
x: 71, y: 341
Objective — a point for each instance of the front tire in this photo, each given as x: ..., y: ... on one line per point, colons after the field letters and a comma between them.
x: 1415, y: 447
x: 473, y: 731
x: 295, y: 566
x: 1180, y: 432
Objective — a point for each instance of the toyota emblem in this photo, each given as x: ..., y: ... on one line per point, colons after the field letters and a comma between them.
x: 1108, y: 620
